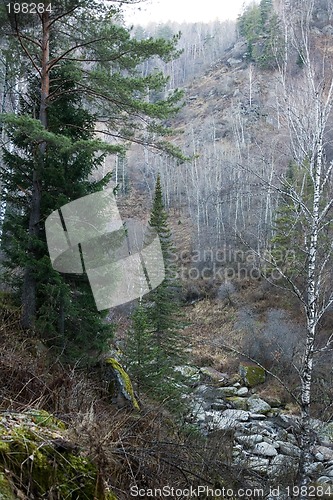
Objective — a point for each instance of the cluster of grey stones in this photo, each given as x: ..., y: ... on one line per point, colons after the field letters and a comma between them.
x: 264, y: 436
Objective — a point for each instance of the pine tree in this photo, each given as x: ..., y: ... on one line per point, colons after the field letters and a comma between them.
x: 107, y: 58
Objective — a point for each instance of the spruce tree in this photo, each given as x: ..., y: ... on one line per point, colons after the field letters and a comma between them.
x: 163, y: 309
x: 163, y: 299
x: 141, y: 353
x: 289, y: 224
x: 154, y: 343
x: 66, y: 315
x: 260, y: 26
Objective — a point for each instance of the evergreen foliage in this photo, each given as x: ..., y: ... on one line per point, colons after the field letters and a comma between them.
x: 53, y: 148
x: 154, y: 345
x: 67, y: 317
x: 163, y: 299
x: 141, y: 353
x: 291, y: 225
x: 261, y: 27
x: 288, y: 229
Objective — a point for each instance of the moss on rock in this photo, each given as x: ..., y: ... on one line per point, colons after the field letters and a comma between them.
x: 326, y: 432
x: 45, y: 419
x: 6, y: 492
x: 124, y: 381
x: 252, y: 374
x: 42, y: 462
x: 238, y: 402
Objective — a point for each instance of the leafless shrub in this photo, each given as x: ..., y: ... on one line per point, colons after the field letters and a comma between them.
x: 226, y: 291
x: 274, y: 341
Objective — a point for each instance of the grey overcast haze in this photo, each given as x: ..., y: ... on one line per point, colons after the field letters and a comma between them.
x: 183, y: 10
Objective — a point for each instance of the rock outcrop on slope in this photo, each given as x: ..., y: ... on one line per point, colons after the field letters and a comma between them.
x: 265, y: 438
x: 38, y: 460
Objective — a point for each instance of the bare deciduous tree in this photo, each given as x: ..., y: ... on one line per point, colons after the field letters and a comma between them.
x: 306, y: 101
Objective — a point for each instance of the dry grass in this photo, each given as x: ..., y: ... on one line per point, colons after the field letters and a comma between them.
x: 211, y: 320
x: 151, y: 450
x: 146, y: 449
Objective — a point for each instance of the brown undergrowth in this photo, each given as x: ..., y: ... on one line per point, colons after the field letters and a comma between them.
x: 266, y: 323
x: 146, y: 449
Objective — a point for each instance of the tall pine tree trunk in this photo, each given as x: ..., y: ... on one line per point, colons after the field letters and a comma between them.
x: 29, y: 284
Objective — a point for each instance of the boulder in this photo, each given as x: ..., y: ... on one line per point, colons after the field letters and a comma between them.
x: 239, y: 49
x: 322, y: 453
x: 251, y: 374
x: 214, y: 420
x: 220, y: 404
x: 264, y: 428
x: 325, y: 479
x: 226, y: 391
x: 264, y: 449
x: 204, y: 391
x: 237, y: 452
x: 207, y: 394
x: 329, y: 471
x: 287, y: 422
x: 238, y: 403
x: 214, y: 375
x: 36, y: 454
x: 257, y: 405
x: 233, y: 62
x: 315, y: 469
x: 212, y: 397
x: 200, y: 417
x: 237, y: 415
x: 190, y: 372
x: 282, y: 465
x: 319, y: 457
x: 198, y: 410
x: 250, y: 440
x: 257, y: 464
x: 235, y: 379
x: 289, y: 449
x: 257, y: 416
x: 282, y: 435
x: 271, y: 441
x: 242, y: 391
x: 123, y: 381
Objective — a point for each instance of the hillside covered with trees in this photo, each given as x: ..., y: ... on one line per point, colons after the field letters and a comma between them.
x: 206, y: 147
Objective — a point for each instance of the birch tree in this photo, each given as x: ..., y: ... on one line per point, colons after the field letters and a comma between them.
x: 306, y: 109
